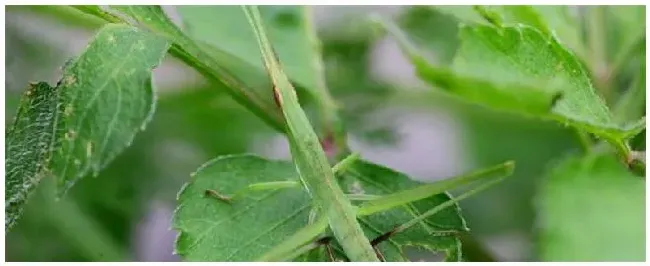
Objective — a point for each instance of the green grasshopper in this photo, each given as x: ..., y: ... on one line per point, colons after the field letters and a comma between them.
x: 307, y: 238
x: 332, y: 206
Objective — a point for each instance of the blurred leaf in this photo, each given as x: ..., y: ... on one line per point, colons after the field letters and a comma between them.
x: 212, y: 230
x: 564, y: 23
x: 625, y: 27
x: 592, y: 209
x: 52, y: 134
x: 81, y: 230
x: 491, y: 137
x: 524, y: 55
x: 32, y: 56
x: 60, y: 231
x: 431, y: 30
x: 226, y: 28
x: 499, y: 88
x: 551, y: 20
x: 496, y: 58
x: 631, y: 105
x: 357, y: 91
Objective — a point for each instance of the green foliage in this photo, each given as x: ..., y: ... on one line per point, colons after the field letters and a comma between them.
x: 215, y: 230
x: 79, y: 126
x: 212, y: 63
x: 539, y: 64
x: 592, y: 209
x: 491, y: 59
x: 288, y: 29
x: 32, y: 129
x: 471, y: 78
x: 558, y: 21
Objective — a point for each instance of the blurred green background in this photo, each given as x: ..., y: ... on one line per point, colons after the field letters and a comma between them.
x: 393, y: 119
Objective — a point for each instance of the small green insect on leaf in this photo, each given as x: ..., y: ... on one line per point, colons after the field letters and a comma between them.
x: 103, y: 99
x: 214, y: 230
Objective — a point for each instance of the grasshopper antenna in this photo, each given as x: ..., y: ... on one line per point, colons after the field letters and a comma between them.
x: 385, y: 236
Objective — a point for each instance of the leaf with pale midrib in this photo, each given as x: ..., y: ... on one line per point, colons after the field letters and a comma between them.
x: 212, y: 230
x: 103, y: 99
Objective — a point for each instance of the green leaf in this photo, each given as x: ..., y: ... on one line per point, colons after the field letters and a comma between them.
x: 213, y: 230
x: 471, y: 78
x: 564, y: 23
x: 28, y: 147
x: 213, y: 63
x: 490, y: 60
x: 524, y: 55
x: 368, y: 178
x: 592, y: 209
x: 103, y: 99
x: 550, y: 20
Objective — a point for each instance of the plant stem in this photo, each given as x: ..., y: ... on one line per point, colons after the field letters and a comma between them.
x: 332, y: 125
